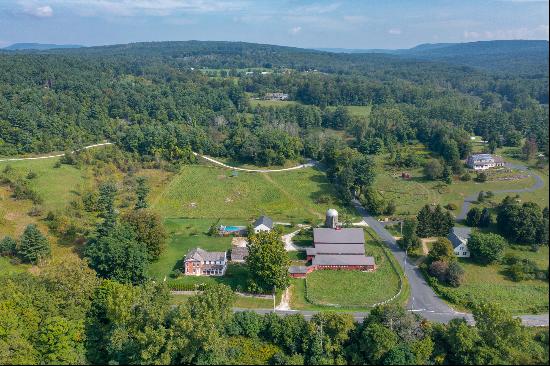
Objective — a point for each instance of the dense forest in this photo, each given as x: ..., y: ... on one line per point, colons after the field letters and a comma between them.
x: 152, y: 98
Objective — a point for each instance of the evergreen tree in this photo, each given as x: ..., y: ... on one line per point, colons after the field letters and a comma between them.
x: 142, y: 190
x: 473, y: 218
x: 486, y: 219
x: 33, y: 245
x: 447, y: 174
x: 106, y: 206
x: 424, y: 219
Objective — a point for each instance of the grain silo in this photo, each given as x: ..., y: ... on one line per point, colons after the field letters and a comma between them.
x: 331, y: 220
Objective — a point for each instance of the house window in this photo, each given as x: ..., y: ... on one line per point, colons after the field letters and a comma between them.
x: 464, y: 253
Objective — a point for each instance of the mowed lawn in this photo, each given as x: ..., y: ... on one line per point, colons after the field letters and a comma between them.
x: 184, y: 235
x: 202, y: 191
x: 348, y: 288
x: 489, y: 283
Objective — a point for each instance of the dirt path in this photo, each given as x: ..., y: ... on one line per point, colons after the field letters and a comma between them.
x: 57, y: 155
x: 285, y: 301
x: 301, y: 166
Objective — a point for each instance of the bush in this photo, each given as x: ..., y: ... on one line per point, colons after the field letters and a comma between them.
x: 8, y: 246
x: 466, y: 177
x: 390, y: 208
x: 31, y: 175
x: 35, y: 211
x: 57, y: 164
x: 486, y: 247
x: 451, y: 207
x: 481, y: 177
x: 455, y: 274
x: 438, y: 269
x: 175, y: 273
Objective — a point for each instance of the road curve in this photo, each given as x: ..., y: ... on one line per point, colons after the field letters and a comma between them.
x: 57, y: 155
x: 539, y: 183
x: 301, y: 166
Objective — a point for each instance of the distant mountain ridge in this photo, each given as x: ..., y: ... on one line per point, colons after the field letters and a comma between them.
x: 39, y: 46
x: 516, y: 56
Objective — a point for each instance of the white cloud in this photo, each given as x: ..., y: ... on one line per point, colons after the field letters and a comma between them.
x: 539, y: 32
x: 394, y: 31
x: 295, y: 30
x: 316, y: 8
x: 130, y: 8
x: 33, y: 9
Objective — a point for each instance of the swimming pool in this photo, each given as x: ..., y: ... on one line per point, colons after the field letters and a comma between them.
x: 233, y: 228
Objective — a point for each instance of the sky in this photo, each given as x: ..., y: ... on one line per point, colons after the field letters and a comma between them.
x: 355, y: 24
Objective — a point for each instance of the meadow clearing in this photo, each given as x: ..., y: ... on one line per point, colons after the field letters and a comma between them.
x: 209, y: 192
x: 490, y: 283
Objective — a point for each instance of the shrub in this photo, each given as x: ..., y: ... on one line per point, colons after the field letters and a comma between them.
x: 451, y: 207
x: 455, y: 274
x: 57, y: 164
x: 390, y: 208
x: 438, y: 269
x: 31, y: 175
x: 175, y: 273
x: 433, y: 169
x: 481, y: 177
x: 35, y: 211
x: 466, y: 177
x: 8, y: 246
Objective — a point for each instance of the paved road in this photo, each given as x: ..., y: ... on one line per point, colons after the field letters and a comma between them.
x: 423, y: 299
x: 301, y: 166
x: 539, y: 183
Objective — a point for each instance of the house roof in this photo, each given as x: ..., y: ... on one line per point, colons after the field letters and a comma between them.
x: 459, y: 234
x: 239, y: 253
x: 322, y: 248
x: 297, y: 269
x: 338, y: 236
x: 342, y: 260
x: 267, y: 221
x: 199, y: 254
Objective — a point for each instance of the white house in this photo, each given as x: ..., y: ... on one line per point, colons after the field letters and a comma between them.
x: 484, y: 161
x: 459, y: 238
x: 263, y: 223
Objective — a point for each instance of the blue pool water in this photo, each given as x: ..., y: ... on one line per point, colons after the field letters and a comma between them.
x: 233, y: 228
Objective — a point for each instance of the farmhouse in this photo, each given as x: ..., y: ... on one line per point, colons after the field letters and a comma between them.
x: 459, y: 238
x: 263, y: 223
x: 276, y: 96
x: 484, y: 161
x: 199, y: 262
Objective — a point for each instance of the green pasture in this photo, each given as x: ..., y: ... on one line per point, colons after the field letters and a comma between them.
x: 489, y: 283
x: 206, y: 192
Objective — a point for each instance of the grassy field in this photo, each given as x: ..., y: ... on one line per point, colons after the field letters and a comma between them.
x: 349, y: 289
x: 271, y: 103
x: 207, y: 192
x: 489, y: 283
x: 411, y: 195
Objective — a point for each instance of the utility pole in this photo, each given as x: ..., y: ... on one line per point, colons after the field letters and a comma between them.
x: 274, y: 297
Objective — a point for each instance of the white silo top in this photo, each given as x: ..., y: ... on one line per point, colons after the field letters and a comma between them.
x: 332, y: 212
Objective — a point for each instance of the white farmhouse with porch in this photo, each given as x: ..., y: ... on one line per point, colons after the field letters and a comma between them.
x: 459, y: 237
x: 484, y: 161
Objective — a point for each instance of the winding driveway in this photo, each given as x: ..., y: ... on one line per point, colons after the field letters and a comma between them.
x: 539, y: 183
